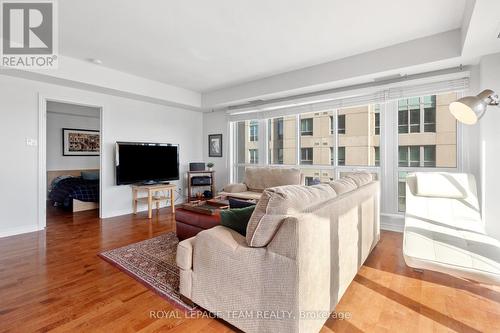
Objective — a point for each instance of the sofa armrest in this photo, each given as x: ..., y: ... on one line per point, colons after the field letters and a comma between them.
x: 235, y: 188
x: 184, y: 257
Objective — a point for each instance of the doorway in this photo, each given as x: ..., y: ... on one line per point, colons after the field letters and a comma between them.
x: 70, y: 168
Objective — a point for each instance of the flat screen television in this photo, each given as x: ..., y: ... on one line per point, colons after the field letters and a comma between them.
x: 147, y: 163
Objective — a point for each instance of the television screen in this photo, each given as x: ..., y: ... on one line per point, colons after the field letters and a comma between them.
x: 146, y: 162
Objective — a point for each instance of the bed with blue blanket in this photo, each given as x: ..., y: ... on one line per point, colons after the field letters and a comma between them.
x: 74, y: 193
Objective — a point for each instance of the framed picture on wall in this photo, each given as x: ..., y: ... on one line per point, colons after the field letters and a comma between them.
x: 215, y: 145
x: 81, y: 142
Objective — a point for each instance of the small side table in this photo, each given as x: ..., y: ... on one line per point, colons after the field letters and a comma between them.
x: 151, y: 198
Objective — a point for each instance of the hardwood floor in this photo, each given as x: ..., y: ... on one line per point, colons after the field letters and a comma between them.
x: 54, y: 281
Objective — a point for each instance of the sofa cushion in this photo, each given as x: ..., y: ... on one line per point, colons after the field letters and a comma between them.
x: 442, y: 185
x: 237, y: 218
x: 343, y: 185
x: 277, y: 203
x: 258, y: 179
x: 360, y: 178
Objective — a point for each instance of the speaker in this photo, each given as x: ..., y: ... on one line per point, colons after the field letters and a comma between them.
x: 201, y: 180
x: 197, y: 166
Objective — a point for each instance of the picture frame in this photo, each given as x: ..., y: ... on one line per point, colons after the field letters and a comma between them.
x: 81, y: 142
x: 215, y: 145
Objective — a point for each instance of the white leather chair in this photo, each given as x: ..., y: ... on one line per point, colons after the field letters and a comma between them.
x: 444, y: 231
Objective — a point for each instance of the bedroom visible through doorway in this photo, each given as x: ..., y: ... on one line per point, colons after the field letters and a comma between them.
x: 73, y: 146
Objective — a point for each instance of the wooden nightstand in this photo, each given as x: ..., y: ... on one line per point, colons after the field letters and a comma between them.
x: 152, y: 198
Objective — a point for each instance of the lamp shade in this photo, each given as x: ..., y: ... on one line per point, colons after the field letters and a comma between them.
x: 470, y: 109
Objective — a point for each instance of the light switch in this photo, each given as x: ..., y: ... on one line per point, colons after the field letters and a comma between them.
x: 31, y: 142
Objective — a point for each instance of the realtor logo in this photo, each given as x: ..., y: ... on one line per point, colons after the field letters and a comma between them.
x: 29, y: 37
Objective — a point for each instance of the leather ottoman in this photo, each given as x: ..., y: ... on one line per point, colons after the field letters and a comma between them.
x: 189, y: 223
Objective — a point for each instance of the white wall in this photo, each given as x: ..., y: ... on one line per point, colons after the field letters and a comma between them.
x: 216, y: 123
x: 80, y: 118
x: 123, y: 119
x: 490, y: 147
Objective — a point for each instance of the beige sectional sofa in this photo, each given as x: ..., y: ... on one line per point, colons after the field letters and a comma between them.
x: 303, y: 247
x: 259, y: 178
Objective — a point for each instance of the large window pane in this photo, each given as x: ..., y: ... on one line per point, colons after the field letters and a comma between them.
x: 247, y: 141
x: 432, y: 137
x: 282, y: 140
x: 359, y: 136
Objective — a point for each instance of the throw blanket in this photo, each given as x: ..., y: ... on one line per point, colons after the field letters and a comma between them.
x: 75, y: 188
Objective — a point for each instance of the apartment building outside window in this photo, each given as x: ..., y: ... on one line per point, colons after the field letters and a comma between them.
x: 306, y: 126
x: 306, y: 156
x: 254, y: 131
x: 424, y: 128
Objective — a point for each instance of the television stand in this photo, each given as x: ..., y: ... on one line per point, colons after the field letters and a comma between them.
x: 153, y: 198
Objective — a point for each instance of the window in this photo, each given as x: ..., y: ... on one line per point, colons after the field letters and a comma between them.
x: 327, y: 143
x: 341, y: 156
x: 430, y: 156
x: 254, y: 130
x: 306, y: 155
x: 253, y: 156
x: 418, y: 149
x: 402, y: 120
x: 417, y: 114
x: 430, y: 113
x: 341, y: 124
x: 428, y: 150
x: 409, y: 156
x: 306, y: 126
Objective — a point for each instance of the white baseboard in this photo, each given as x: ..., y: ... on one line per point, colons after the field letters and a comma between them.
x: 19, y: 230
x: 392, y: 222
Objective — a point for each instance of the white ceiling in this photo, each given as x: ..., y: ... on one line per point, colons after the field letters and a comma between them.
x: 205, y: 45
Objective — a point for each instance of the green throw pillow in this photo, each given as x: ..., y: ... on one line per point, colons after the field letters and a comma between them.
x: 237, y: 218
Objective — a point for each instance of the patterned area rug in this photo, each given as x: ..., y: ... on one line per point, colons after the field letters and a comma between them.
x: 152, y: 262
